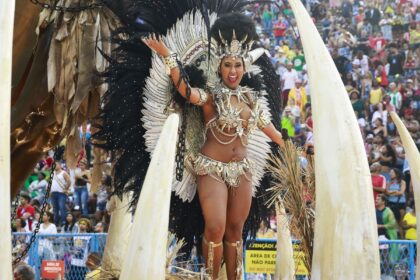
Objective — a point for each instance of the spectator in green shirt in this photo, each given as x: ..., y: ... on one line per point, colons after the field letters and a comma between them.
x: 357, y: 103
x: 287, y: 122
x: 387, y: 225
x: 298, y: 60
x: 268, y: 19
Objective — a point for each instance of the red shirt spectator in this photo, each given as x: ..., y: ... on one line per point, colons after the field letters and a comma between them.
x: 378, y: 44
x: 378, y: 180
x: 49, y: 161
x: 25, y: 210
x: 381, y: 73
x: 310, y: 123
x: 279, y: 28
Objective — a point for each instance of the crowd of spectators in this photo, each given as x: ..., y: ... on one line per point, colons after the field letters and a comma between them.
x: 71, y: 208
x: 70, y: 200
x: 376, y: 48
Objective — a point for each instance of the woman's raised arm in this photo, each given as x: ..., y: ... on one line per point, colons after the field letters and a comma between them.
x: 196, y: 96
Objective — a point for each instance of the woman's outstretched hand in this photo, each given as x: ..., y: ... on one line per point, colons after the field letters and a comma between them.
x: 156, y: 45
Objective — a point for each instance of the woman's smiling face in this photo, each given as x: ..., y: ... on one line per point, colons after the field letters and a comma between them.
x: 232, y: 70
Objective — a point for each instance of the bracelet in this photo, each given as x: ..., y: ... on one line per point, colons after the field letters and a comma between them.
x: 202, y: 97
x: 171, y: 62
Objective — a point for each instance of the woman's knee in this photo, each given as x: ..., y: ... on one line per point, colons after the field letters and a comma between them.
x: 234, y: 231
x: 214, y: 231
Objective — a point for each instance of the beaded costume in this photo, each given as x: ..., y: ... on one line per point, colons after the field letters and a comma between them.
x: 228, y: 122
x: 228, y: 173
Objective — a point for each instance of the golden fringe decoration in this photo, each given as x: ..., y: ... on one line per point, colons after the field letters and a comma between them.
x: 67, y: 47
x: 173, y: 272
x: 73, y: 63
x: 178, y: 271
x: 293, y: 186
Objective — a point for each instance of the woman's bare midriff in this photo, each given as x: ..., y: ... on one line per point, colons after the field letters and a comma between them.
x: 234, y: 151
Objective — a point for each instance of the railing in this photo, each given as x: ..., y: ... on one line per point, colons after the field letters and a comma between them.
x: 71, y: 249
x: 397, y: 257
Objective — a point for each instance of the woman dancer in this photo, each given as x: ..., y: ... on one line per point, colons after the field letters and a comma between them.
x: 231, y: 113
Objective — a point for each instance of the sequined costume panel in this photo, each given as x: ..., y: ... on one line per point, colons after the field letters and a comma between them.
x: 225, y: 172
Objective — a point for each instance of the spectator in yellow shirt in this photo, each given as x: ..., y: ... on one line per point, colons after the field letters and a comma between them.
x: 298, y: 95
x: 376, y: 94
x: 414, y: 33
x: 285, y: 48
x: 409, y: 224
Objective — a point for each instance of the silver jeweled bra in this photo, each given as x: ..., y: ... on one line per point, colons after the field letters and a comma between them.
x: 228, y: 116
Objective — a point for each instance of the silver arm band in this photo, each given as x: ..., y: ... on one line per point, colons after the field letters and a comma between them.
x: 170, y: 62
x: 263, y: 120
x: 202, y: 97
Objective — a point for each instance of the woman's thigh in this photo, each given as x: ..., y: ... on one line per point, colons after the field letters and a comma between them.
x: 213, y: 196
x: 239, y: 203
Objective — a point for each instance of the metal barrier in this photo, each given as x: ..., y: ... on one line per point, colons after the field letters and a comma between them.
x: 71, y: 250
x: 398, y: 257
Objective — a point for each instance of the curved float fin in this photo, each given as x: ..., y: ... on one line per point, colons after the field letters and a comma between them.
x: 346, y: 240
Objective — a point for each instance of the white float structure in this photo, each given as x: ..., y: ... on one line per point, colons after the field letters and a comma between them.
x: 285, y: 263
x: 146, y: 254
x: 346, y: 241
x: 413, y: 158
x: 118, y: 236
x: 7, y: 12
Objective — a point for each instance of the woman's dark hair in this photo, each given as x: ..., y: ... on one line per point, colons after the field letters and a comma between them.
x: 50, y: 216
x: 67, y: 225
x: 380, y: 120
x: 73, y: 219
x: 390, y: 152
x: 35, y: 203
x: 22, y: 222
x: 383, y: 197
x: 398, y: 174
x: 242, y: 24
